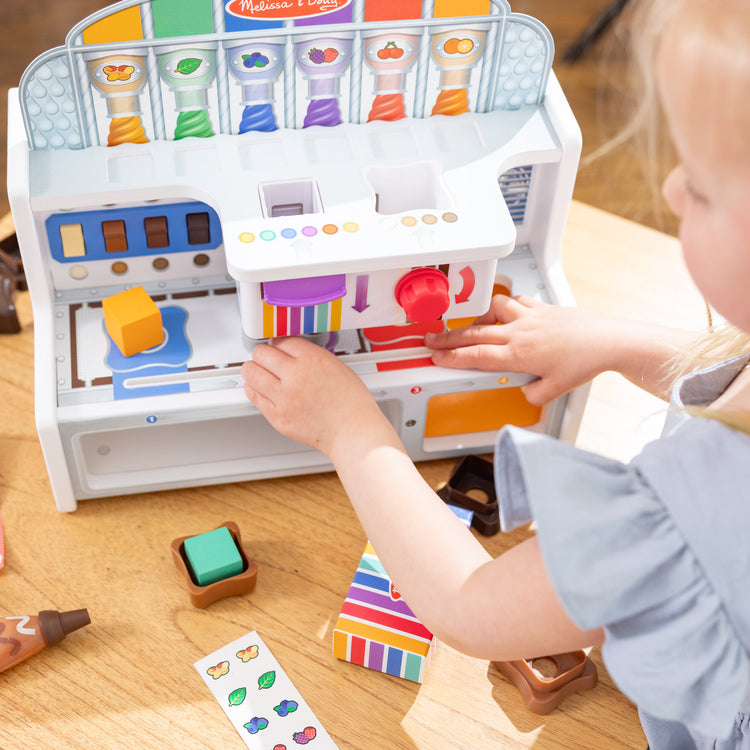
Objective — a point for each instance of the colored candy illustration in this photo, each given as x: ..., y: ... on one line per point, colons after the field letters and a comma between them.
x: 266, y: 680
x: 219, y: 670
x: 305, y: 736
x: 279, y: 747
x: 256, y: 724
x: 286, y: 707
x: 236, y: 697
x: 247, y: 653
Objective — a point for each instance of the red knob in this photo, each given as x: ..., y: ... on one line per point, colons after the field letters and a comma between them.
x: 423, y: 293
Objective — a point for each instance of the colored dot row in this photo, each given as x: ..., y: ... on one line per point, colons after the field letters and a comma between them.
x: 119, y: 267
x: 411, y: 221
x: 288, y: 233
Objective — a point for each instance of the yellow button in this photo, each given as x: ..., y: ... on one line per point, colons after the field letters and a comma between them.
x: 351, y: 226
x: 247, y: 237
x: 78, y: 272
x: 408, y: 221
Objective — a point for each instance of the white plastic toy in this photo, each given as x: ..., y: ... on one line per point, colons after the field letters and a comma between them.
x: 359, y: 171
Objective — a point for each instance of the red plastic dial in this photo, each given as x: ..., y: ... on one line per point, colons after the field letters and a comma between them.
x: 424, y: 294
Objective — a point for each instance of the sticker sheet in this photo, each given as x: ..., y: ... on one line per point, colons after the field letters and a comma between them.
x: 259, y: 698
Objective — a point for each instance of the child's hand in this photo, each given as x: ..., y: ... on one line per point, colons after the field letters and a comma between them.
x: 307, y: 394
x: 564, y: 346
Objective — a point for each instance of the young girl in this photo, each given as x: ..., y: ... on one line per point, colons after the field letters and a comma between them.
x: 650, y: 559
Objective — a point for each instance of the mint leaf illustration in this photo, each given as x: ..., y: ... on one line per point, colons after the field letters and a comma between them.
x: 266, y: 680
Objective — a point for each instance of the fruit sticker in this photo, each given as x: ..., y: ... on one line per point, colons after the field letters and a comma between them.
x: 322, y: 57
x: 286, y: 707
x: 256, y: 724
x: 275, y: 716
x: 457, y: 46
x: 390, y: 51
x: 306, y: 735
x: 255, y: 60
x: 394, y: 592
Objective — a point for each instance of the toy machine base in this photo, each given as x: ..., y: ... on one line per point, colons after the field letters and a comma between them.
x: 363, y: 231
x: 176, y: 415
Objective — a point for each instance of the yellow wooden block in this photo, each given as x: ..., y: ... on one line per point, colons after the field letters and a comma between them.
x: 133, y: 321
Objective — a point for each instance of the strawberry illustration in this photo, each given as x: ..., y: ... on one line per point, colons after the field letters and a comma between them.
x: 330, y: 54
x: 395, y: 593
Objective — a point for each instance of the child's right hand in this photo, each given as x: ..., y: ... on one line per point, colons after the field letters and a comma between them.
x: 564, y: 347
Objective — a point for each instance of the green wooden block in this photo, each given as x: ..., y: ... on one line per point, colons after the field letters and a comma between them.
x: 213, y: 556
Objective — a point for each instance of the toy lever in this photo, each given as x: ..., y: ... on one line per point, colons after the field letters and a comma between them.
x: 417, y: 352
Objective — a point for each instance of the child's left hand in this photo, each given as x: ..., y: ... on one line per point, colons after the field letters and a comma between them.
x: 309, y: 395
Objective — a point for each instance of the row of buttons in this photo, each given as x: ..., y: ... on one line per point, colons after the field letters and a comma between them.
x: 289, y: 233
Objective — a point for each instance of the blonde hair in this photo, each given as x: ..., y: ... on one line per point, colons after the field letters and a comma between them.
x: 648, y: 22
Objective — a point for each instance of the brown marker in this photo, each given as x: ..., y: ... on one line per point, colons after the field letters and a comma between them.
x: 22, y: 636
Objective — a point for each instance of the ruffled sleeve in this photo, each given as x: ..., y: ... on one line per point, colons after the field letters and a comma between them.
x: 619, y: 560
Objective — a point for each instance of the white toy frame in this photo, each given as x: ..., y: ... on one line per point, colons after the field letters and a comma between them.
x: 480, y: 197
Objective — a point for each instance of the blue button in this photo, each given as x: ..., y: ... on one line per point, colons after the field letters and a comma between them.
x: 289, y: 233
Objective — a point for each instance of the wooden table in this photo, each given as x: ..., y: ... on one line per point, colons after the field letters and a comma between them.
x: 127, y: 679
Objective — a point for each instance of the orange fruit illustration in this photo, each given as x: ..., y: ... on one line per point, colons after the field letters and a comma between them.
x: 451, y: 45
x: 465, y: 46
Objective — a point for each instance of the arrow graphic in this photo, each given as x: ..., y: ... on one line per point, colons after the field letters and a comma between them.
x: 360, y: 295
x: 468, y: 278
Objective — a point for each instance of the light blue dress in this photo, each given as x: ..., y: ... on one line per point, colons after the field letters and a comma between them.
x: 657, y: 552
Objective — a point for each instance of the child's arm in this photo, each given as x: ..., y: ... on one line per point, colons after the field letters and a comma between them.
x: 564, y: 346
x: 500, y: 609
